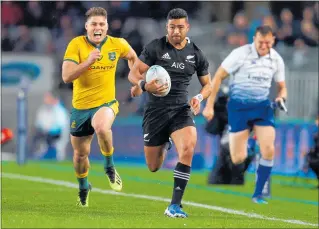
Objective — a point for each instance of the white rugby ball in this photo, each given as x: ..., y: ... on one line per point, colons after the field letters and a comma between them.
x: 162, y: 76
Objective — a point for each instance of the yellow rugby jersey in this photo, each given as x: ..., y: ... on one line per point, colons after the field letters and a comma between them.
x: 96, y: 85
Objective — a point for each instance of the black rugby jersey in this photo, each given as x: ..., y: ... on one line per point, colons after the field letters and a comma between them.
x: 180, y: 64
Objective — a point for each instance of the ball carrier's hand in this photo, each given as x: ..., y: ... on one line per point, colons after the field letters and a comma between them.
x: 152, y: 87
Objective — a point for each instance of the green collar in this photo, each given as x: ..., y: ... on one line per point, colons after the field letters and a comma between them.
x: 94, y: 45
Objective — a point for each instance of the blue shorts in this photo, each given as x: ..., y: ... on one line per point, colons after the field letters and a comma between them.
x: 243, y: 116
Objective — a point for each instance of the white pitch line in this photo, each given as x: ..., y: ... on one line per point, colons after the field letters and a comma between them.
x: 156, y: 198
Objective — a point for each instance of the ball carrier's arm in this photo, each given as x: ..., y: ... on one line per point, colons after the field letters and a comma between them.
x: 136, y: 77
x: 203, y: 94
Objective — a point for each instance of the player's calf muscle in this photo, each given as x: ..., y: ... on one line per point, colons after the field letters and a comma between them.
x: 187, y: 151
x: 105, y: 143
x: 81, y: 163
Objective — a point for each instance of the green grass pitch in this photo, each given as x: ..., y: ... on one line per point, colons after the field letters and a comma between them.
x: 43, y: 195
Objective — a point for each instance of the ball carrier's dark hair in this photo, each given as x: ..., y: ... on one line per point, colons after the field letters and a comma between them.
x: 177, y: 13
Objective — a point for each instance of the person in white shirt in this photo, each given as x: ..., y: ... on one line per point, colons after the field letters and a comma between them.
x: 251, y: 69
x: 52, y: 124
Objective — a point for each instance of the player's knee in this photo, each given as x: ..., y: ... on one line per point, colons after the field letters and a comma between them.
x: 238, y: 158
x: 80, y: 156
x: 268, y: 152
x: 153, y: 167
x: 102, y: 130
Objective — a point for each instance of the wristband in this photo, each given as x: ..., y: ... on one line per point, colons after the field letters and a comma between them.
x: 199, y: 97
x: 142, y: 83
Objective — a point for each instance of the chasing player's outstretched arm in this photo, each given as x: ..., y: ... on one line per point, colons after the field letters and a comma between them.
x: 203, y: 94
x: 204, y: 78
x: 131, y: 57
x: 206, y: 83
x: 127, y: 52
x: 71, y: 71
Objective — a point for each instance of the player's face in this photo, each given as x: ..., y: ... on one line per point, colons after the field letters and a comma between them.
x: 177, y: 30
x: 263, y: 43
x: 96, y: 27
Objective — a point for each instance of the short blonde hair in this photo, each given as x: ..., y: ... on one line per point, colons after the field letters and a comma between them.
x: 95, y: 11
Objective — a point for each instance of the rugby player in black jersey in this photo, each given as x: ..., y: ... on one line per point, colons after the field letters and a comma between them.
x: 172, y: 116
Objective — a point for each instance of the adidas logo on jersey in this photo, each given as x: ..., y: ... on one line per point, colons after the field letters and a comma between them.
x: 166, y: 56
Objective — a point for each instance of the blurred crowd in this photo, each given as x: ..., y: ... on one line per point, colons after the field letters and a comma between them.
x: 65, y: 20
x: 289, y: 31
x: 22, y: 23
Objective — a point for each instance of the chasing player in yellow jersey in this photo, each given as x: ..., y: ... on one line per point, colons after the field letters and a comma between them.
x: 90, y: 63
